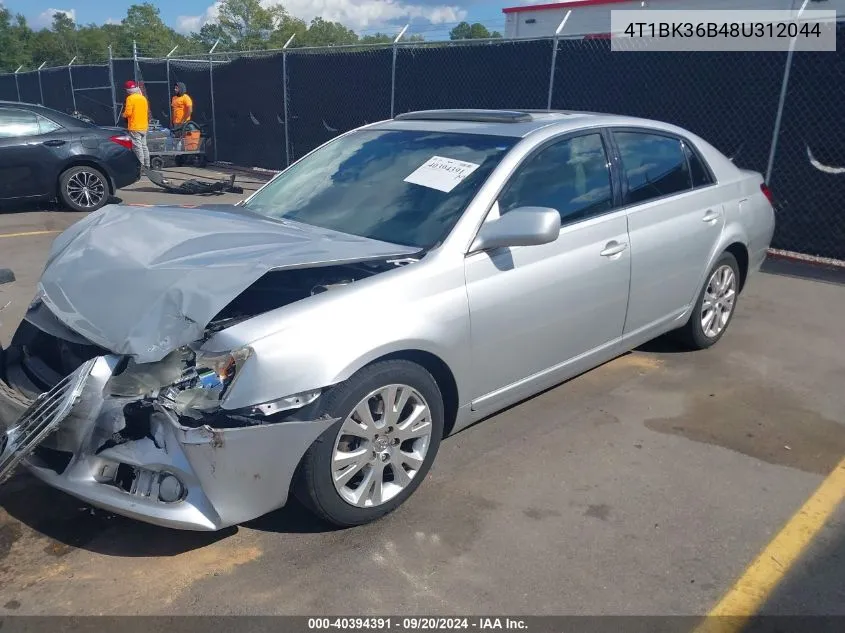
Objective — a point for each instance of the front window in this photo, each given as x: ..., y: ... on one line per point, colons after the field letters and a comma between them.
x: 403, y: 187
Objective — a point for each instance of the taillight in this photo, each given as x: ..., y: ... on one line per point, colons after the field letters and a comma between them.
x: 122, y: 139
x: 768, y: 193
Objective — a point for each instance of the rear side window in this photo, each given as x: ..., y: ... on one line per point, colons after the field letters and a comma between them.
x: 571, y: 176
x: 654, y: 165
x: 700, y: 176
x: 17, y: 123
x: 45, y: 125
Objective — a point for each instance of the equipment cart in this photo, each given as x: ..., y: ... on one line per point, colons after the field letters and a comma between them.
x: 187, y: 146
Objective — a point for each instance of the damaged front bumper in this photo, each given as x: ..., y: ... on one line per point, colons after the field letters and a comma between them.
x: 136, y: 459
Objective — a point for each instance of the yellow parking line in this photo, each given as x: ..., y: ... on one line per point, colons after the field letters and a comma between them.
x: 28, y: 233
x: 753, y: 588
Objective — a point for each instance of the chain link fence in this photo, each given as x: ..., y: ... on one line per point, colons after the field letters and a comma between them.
x: 269, y: 108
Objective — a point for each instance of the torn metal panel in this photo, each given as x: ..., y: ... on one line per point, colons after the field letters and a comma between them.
x: 120, y: 452
x: 175, y: 269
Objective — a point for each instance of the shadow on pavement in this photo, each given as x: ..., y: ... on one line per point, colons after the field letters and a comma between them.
x: 804, y: 270
x: 48, y: 206
x: 815, y: 586
x: 294, y: 518
x: 71, y: 524
x: 665, y: 344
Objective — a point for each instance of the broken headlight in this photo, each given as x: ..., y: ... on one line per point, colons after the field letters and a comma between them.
x: 185, y: 380
x: 204, y: 386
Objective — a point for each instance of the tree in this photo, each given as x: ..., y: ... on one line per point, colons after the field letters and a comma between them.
x: 475, y: 31
x: 377, y: 38
x: 66, y: 36
x: 14, y: 45
x: 210, y: 34
x: 323, y: 33
x: 247, y: 24
x: 286, y: 27
x: 143, y: 24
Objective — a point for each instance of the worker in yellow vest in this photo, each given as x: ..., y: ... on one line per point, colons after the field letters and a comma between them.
x: 136, y: 111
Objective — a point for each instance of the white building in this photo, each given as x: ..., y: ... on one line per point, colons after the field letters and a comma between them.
x: 593, y: 16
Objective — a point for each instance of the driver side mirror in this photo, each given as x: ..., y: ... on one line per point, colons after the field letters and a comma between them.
x: 523, y: 226
x: 6, y: 276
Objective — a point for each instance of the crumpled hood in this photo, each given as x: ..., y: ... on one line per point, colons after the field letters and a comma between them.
x: 143, y: 281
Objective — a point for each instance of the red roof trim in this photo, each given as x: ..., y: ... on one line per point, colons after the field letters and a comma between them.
x: 559, y: 5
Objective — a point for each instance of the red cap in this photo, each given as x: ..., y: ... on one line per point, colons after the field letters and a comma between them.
x: 130, y: 84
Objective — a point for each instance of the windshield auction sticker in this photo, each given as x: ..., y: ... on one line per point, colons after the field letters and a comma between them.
x: 443, y: 174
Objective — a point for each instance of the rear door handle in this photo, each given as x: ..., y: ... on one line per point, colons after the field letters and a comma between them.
x: 54, y: 143
x: 712, y: 214
x: 613, y: 248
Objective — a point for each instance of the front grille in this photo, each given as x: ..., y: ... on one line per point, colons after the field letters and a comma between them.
x: 41, y: 418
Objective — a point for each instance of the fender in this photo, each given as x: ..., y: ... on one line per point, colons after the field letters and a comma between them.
x: 733, y: 233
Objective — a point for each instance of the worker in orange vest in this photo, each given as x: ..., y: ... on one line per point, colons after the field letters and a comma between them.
x: 136, y: 111
x: 181, y: 106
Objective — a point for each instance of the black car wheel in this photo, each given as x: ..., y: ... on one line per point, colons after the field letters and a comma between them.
x: 157, y: 163
x: 83, y: 188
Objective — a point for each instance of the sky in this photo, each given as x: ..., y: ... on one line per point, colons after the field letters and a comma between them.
x: 431, y: 18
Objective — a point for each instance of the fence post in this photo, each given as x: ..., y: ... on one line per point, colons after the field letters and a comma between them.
x: 213, y: 112
x: 40, y: 87
x: 782, y: 101
x: 393, y: 71
x: 111, y: 82
x: 167, y: 67
x: 558, y: 31
x: 17, y: 85
x: 285, y: 96
x: 70, y: 77
x: 135, y: 61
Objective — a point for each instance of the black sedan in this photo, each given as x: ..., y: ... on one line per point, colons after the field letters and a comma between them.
x: 45, y: 154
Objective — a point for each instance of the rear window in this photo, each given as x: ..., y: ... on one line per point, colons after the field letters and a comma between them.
x: 655, y: 166
x: 65, y: 120
x: 16, y: 123
x: 700, y: 175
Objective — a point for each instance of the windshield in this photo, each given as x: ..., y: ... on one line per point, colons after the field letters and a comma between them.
x: 404, y: 187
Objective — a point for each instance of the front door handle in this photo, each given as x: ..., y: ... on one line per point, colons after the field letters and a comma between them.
x: 712, y: 214
x: 613, y: 248
x: 54, y: 143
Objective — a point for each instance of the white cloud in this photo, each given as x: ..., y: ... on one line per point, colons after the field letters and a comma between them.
x: 45, y: 18
x: 356, y: 14
x: 112, y: 21
x: 193, y: 23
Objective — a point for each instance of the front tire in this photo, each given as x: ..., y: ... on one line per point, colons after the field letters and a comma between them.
x: 377, y: 454
x: 83, y: 188
x: 715, y: 307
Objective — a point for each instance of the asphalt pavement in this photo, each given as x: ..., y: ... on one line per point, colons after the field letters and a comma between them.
x: 645, y: 487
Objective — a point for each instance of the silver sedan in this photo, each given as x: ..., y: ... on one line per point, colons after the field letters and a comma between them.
x: 192, y: 367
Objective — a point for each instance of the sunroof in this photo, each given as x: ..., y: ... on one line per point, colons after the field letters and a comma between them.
x: 484, y: 116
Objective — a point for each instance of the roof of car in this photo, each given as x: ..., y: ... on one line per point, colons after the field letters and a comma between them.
x: 510, y: 123
x: 19, y: 103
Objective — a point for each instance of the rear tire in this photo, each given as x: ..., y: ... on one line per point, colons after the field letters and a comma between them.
x: 348, y: 476
x: 716, y: 305
x: 157, y: 163
x: 83, y: 188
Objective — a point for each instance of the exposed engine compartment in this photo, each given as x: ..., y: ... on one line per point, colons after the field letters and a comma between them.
x: 279, y: 288
x: 43, y: 350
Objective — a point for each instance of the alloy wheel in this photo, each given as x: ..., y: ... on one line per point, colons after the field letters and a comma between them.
x: 86, y: 189
x: 381, y: 445
x: 719, y: 299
